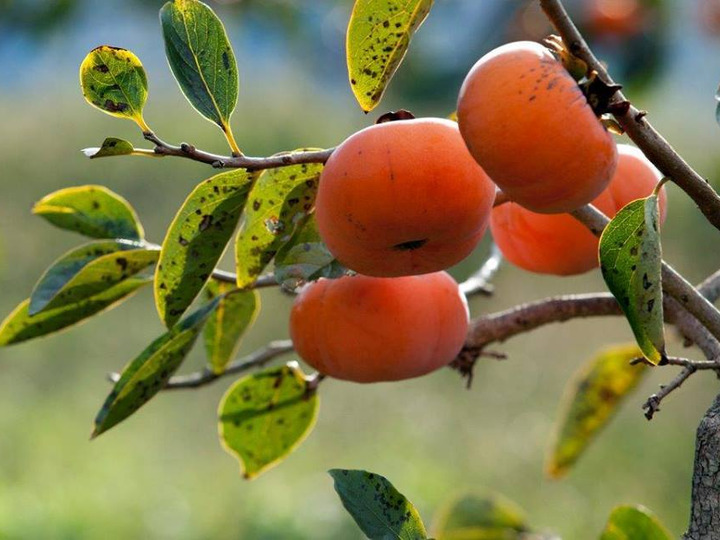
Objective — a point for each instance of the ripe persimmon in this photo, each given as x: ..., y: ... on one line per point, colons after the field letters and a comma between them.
x: 403, y: 198
x: 559, y: 244
x: 369, y: 329
x: 615, y: 18
x: 530, y: 127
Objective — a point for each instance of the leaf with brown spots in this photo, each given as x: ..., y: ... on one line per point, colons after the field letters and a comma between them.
x: 89, y: 270
x: 265, y: 416
x: 112, y: 146
x: 235, y: 314
x: 380, y: 510
x: 202, y: 60
x: 94, y: 211
x: 279, y: 200
x: 20, y: 326
x: 147, y: 374
x: 378, y: 37
x: 196, y: 240
x: 114, y: 81
x: 480, y: 516
x: 592, y: 398
x: 631, y: 264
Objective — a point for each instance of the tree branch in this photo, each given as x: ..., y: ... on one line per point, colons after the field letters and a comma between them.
x: 479, y: 282
x: 635, y: 123
x: 260, y: 283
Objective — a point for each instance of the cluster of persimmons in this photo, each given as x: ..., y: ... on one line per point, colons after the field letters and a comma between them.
x: 399, y: 202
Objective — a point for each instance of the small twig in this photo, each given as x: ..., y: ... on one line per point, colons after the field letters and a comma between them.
x: 312, y: 382
x: 188, y: 151
x: 229, y: 277
x: 500, y: 198
x: 652, y: 405
x: 479, y: 282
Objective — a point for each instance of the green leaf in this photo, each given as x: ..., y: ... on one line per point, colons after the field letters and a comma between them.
x: 235, y: 313
x: 305, y: 258
x: 265, y: 416
x: 278, y: 201
x: 480, y: 517
x: 114, y: 81
x: 147, y: 374
x: 112, y: 146
x: 631, y: 263
x: 89, y: 270
x: 592, y: 398
x: 634, y: 523
x: 378, y: 37
x: 94, y: 211
x: 20, y: 326
x: 377, y: 507
x: 196, y: 240
x: 202, y: 60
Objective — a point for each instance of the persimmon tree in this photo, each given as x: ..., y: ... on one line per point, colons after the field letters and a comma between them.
x: 265, y: 206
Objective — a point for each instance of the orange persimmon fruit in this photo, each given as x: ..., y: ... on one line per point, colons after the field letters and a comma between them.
x: 369, y: 329
x: 559, y: 244
x: 530, y: 127
x: 403, y: 198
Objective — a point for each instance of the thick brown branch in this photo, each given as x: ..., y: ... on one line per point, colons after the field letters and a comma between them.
x: 635, y: 123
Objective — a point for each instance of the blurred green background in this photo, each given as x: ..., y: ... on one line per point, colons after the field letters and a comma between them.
x: 162, y: 474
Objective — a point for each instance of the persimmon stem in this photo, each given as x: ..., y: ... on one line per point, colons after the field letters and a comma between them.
x: 479, y: 282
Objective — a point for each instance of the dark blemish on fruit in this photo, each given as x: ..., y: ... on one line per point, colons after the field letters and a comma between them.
x: 411, y: 245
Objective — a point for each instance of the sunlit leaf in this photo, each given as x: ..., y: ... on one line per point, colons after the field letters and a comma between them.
x: 634, y: 523
x: 305, y: 258
x: 265, y: 416
x: 631, y: 259
x: 593, y: 397
x: 114, y: 81
x: 278, y: 201
x: 112, y: 146
x: 89, y: 270
x: 235, y: 313
x: 380, y: 510
x: 196, y: 240
x: 147, y: 374
x: 480, y: 517
x: 202, y: 60
x: 94, y: 211
x: 378, y: 37
x: 19, y: 326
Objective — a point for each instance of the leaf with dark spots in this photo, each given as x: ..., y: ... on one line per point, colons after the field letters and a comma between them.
x: 380, y: 510
x: 265, y: 416
x: 147, y: 374
x: 88, y: 271
x: 235, y: 314
x: 634, y: 523
x: 272, y: 218
x: 114, y: 81
x: 20, y: 326
x: 192, y: 247
x: 112, y: 146
x: 631, y: 263
x: 94, y: 211
x: 592, y: 399
x: 378, y: 37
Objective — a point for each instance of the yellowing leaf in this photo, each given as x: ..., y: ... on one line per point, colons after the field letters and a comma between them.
x: 378, y: 37
x: 593, y: 397
x: 634, y: 523
x: 480, y: 517
x: 114, y: 81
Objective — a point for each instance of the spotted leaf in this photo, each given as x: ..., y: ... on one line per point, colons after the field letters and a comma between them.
x: 265, y: 416
x: 631, y: 263
x: 235, y: 313
x: 593, y: 398
x: 634, y: 523
x: 94, y: 211
x: 278, y: 201
x: 112, y: 146
x: 147, y: 374
x: 196, y: 240
x: 378, y: 37
x: 114, y: 81
x: 380, y: 510
x: 20, y: 326
x: 490, y: 517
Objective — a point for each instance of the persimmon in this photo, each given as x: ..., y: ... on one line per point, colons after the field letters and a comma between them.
x: 403, y: 198
x: 369, y: 329
x: 617, y: 18
x: 559, y: 244
x: 530, y: 127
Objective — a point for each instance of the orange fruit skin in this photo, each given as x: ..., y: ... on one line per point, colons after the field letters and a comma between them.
x: 403, y: 198
x: 368, y: 329
x: 559, y: 244
x: 528, y: 124
x: 619, y: 18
